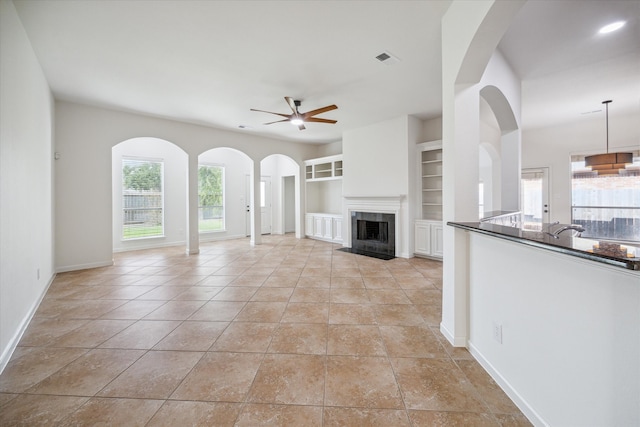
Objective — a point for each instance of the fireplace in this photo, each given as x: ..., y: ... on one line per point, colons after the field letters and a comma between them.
x: 373, y: 234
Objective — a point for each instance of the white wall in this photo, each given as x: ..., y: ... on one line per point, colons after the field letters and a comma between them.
x: 553, y: 146
x: 175, y: 184
x: 570, y: 332
x: 26, y: 189
x: 85, y: 136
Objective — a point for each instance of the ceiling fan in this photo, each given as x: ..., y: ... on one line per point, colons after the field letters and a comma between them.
x: 299, y: 119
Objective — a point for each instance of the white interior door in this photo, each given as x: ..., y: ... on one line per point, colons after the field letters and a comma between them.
x: 535, y: 197
x: 289, y: 204
x: 247, y: 199
x: 265, y: 204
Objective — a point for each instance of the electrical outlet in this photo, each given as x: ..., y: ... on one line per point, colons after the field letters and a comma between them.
x: 497, y: 332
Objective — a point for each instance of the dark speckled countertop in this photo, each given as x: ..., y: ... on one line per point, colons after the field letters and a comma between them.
x: 624, y: 255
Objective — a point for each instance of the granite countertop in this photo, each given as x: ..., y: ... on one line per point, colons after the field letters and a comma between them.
x: 620, y: 255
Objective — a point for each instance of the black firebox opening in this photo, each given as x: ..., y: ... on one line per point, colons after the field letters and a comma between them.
x: 373, y: 230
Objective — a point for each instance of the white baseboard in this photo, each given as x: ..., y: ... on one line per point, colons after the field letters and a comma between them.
x: 206, y: 239
x: 519, y: 401
x: 453, y: 340
x: 66, y: 268
x: 17, y: 336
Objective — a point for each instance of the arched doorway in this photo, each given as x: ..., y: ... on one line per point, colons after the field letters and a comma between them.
x: 148, y: 194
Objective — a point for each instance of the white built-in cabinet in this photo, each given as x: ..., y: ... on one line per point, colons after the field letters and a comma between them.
x: 428, y: 229
x: 323, y: 184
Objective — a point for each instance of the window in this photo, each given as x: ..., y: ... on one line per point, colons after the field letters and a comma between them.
x: 607, y: 206
x: 210, y: 198
x: 142, y: 198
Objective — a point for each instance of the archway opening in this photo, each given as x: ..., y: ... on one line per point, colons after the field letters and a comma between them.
x: 148, y: 194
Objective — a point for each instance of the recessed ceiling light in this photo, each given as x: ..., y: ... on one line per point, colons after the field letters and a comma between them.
x: 245, y: 127
x: 611, y: 27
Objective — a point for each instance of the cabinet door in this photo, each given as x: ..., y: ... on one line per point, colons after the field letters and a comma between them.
x: 436, y: 240
x: 317, y: 226
x: 308, y: 225
x: 423, y: 239
x: 337, y: 229
x: 327, y: 231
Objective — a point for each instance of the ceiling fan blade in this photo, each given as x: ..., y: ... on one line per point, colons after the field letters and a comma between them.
x: 319, y: 120
x: 319, y: 111
x: 292, y: 104
x: 271, y: 112
x: 277, y: 121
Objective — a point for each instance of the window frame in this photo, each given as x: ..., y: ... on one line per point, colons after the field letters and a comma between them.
x: 162, y: 197
x: 223, y: 198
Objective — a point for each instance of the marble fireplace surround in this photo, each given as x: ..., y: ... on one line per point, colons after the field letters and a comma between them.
x: 374, y: 204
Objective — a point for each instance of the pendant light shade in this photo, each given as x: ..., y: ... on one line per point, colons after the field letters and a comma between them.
x: 608, y: 163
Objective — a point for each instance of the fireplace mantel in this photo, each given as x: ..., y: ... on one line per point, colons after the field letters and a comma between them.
x: 381, y: 204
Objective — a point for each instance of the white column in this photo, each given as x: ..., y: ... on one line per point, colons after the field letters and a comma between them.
x: 193, y: 238
x: 256, y: 210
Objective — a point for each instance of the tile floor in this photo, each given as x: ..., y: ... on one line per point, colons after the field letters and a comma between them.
x: 290, y: 332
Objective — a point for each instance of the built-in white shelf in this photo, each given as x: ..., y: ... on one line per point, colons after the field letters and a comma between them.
x: 323, y: 207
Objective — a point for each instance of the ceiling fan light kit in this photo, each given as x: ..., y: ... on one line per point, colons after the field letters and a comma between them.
x: 608, y: 163
x: 299, y: 119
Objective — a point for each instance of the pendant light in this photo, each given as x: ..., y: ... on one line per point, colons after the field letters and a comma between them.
x: 608, y: 163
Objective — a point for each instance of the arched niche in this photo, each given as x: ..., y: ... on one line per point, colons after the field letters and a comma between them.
x: 283, y: 176
x: 173, y: 213
x: 233, y: 215
x: 507, y: 171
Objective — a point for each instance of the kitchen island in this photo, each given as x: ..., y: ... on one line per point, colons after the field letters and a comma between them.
x: 556, y: 322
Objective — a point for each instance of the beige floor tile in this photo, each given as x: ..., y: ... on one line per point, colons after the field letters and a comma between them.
x: 310, y: 295
x: 338, y: 282
x: 425, y: 296
x: 34, y: 366
x: 163, y: 293
x: 323, y: 282
x: 175, y: 310
x: 266, y: 312
x: 224, y: 377
x: 192, y: 336
x: 275, y: 281
x: 247, y: 342
x: 355, y: 340
x: 300, y: 338
x: 341, y: 417
x: 246, y: 337
x: 179, y: 413
x: 154, y: 376
x: 88, y: 374
x: 114, y: 412
x: 249, y: 280
x: 489, y: 391
x: 289, y: 379
x: 306, y: 312
x: 349, y: 296
x: 143, y: 334
x: 435, y: 384
x: 42, y: 331
x: 272, y: 294
x: 380, y: 282
x: 37, y: 410
x: 254, y: 414
x: 133, y: 310
x: 387, y: 296
x: 218, y: 311
x: 92, y: 334
x: 451, y: 419
x: 358, y: 381
x: 398, y: 314
x: 432, y: 314
x: 411, y: 341
x: 352, y: 314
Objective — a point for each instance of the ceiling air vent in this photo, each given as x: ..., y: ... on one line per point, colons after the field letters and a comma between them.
x: 387, y: 59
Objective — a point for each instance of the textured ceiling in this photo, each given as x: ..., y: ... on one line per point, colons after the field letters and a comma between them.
x: 210, y: 62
